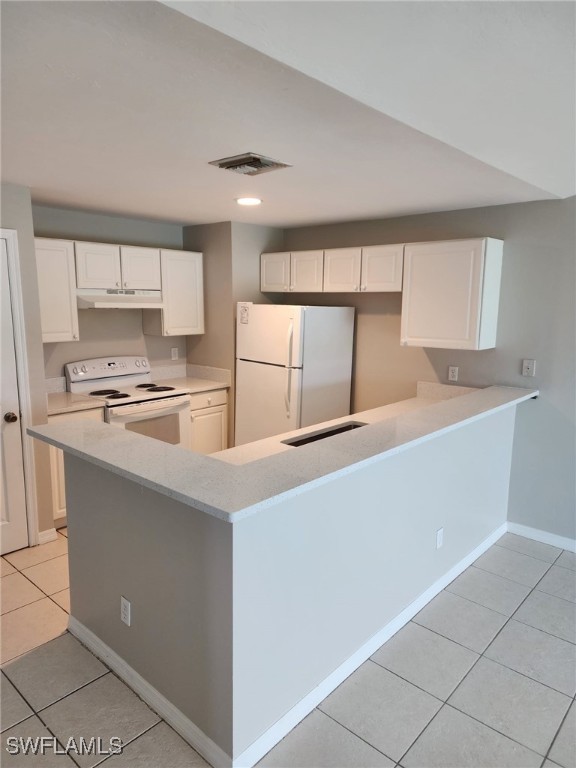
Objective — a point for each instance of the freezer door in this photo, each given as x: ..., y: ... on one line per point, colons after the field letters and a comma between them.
x: 268, y: 333
x: 267, y: 400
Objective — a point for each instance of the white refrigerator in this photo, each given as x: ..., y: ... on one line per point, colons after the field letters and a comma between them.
x: 293, y: 367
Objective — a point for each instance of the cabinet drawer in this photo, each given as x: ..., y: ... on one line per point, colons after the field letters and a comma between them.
x: 206, y: 399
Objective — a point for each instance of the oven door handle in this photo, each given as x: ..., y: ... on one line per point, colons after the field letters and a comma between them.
x: 164, y: 406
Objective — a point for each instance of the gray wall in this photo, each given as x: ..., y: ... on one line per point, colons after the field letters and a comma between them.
x: 108, y: 332
x: 174, y: 565
x: 537, y: 320
x: 16, y: 213
x: 231, y: 274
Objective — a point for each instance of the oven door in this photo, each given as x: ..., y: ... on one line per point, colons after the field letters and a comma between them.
x: 166, y: 419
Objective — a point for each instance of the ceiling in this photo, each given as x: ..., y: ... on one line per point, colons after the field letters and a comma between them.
x: 381, y: 108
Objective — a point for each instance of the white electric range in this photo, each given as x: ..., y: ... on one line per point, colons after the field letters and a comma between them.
x: 132, y: 400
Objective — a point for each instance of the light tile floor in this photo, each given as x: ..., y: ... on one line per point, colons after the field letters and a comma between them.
x: 483, y: 677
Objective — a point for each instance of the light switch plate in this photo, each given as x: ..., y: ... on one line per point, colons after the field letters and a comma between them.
x: 528, y: 367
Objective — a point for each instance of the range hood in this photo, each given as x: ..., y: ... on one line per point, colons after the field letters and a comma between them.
x: 118, y: 299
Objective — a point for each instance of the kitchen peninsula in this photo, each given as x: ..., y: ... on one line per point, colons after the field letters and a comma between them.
x: 260, y: 577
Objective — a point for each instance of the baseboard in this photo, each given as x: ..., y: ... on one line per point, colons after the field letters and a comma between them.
x: 544, y: 536
x: 273, y: 735
x: 48, y: 535
x: 202, y: 743
x: 159, y: 703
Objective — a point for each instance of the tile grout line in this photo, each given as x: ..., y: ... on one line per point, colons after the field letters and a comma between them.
x: 558, y: 732
x: 503, y: 546
x: 482, y: 653
x: 47, y: 560
x: 442, y: 701
x: 346, y: 728
x: 559, y: 597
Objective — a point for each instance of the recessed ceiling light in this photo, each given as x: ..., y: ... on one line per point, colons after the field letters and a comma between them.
x: 248, y: 200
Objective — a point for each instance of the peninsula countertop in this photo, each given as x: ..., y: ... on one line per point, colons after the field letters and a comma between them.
x: 233, y: 489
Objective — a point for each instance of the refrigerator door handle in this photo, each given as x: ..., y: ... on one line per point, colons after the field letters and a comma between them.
x: 289, y: 341
x: 287, y: 393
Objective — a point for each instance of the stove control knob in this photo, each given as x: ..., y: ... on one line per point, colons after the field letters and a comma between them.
x: 84, y: 369
x: 75, y: 370
x: 137, y: 363
x: 144, y: 363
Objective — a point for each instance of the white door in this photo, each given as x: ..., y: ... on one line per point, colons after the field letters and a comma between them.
x: 57, y: 289
x: 441, y: 294
x: 209, y: 429
x: 342, y: 270
x: 140, y: 268
x: 182, y: 293
x: 382, y: 268
x: 98, y: 265
x: 267, y: 400
x: 306, y: 271
x: 13, y: 531
x: 269, y: 333
x: 275, y: 272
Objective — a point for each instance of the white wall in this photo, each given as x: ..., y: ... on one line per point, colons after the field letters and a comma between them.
x: 108, y: 332
x: 537, y: 320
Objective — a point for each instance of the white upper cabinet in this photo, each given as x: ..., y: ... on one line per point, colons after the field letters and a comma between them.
x: 182, y: 296
x: 57, y: 289
x: 98, y: 265
x: 306, y: 270
x: 450, y: 294
x: 140, y: 268
x: 102, y: 266
x: 275, y: 272
x: 382, y: 268
x: 371, y: 268
x: 299, y: 271
x: 342, y: 270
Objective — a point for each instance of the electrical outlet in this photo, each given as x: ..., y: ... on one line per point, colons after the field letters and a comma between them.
x: 452, y: 373
x: 439, y: 537
x: 528, y: 367
x: 174, y: 353
x: 125, y: 611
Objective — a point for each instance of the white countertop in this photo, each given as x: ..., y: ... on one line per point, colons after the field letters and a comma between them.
x: 231, y: 490
x: 66, y: 402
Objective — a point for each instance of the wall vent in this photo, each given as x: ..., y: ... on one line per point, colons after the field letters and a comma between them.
x: 249, y: 164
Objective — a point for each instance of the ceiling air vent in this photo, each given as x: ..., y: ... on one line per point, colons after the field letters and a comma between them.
x: 249, y: 164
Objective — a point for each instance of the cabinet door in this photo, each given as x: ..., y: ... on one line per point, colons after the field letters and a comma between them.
x: 209, y: 429
x: 342, y: 270
x: 382, y: 268
x: 275, y: 272
x: 442, y: 294
x: 57, y: 289
x: 182, y: 293
x: 57, y: 459
x: 306, y: 271
x: 140, y: 268
x: 98, y: 265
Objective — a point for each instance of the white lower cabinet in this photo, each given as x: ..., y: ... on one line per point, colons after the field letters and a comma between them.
x: 57, y: 460
x: 56, y: 289
x: 209, y: 421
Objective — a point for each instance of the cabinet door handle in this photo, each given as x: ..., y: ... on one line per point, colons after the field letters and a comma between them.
x: 10, y: 417
x: 364, y: 287
x: 117, y: 285
x: 75, y: 336
x: 355, y: 287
